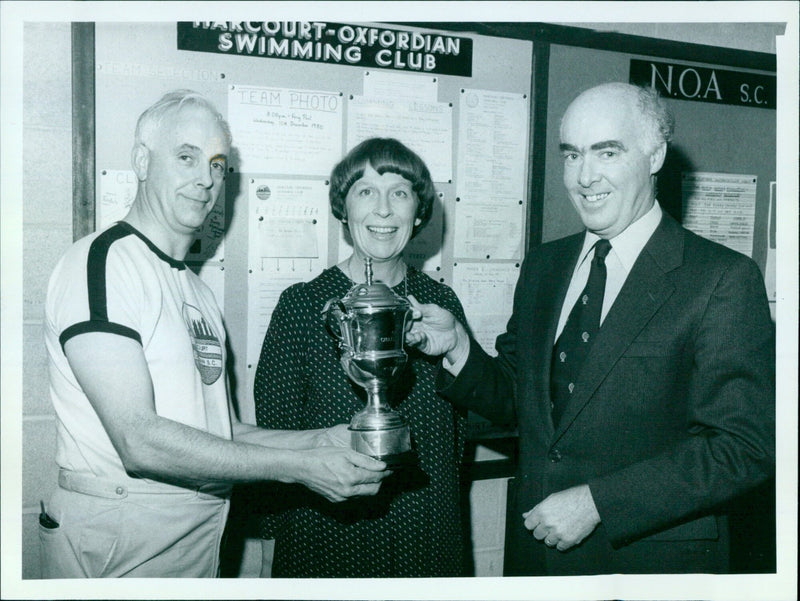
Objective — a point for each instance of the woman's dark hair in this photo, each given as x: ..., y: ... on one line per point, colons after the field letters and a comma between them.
x: 384, y: 155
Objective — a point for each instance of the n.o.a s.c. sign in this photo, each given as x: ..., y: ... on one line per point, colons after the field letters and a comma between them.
x: 702, y: 84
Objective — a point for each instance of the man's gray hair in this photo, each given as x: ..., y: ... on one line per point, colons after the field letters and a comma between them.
x: 658, y: 121
x: 150, y: 120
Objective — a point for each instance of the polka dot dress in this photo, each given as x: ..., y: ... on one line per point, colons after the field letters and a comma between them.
x: 412, y: 528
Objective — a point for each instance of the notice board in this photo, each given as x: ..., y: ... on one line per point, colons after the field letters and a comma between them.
x: 298, y: 95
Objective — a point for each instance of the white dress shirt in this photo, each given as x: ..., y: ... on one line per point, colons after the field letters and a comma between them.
x: 625, y: 249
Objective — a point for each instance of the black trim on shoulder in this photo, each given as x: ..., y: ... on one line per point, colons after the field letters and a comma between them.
x: 85, y: 327
x: 157, y: 251
x: 96, y: 271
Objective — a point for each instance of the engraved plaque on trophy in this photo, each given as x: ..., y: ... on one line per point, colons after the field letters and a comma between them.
x: 369, y: 323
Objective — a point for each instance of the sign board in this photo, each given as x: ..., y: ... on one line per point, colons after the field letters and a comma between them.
x: 703, y: 84
x: 334, y: 43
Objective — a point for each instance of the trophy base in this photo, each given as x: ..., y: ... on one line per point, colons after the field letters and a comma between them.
x: 392, y: 445
x: 400, y: 460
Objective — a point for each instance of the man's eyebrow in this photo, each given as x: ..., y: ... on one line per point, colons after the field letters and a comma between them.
x: 196, y: 149
x: 614, y: 144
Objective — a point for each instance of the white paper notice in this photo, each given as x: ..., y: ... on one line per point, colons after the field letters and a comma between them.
x: 264, y: 288
x: 388, y: 84
x: 281, y: 130
x: 289, y: 220
x: 117, y: 192
x: 214, y: 275
x: 425, y: 127
x: 288, y: 243
x: 720, y: 207
x: 770, y: 275
x: 492, y: 146
x: 208, y: 245
x: 486, y: 290
x: 488, y: 231
x: 424, y: 251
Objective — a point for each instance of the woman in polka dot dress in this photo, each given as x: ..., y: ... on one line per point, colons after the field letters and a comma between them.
x: 412, y: 528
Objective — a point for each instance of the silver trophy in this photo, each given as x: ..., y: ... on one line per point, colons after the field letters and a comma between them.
x: 369, y: 323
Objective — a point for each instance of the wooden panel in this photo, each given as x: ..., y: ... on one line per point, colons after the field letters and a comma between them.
x: 83, y: 130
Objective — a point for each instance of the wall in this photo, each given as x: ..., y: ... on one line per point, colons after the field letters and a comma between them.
x: 756, y: 37
x: 47, y: 231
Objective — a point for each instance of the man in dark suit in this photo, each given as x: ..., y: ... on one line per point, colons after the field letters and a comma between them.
x: 640, y: 374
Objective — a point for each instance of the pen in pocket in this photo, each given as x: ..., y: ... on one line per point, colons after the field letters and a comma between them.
x: 45, y: 520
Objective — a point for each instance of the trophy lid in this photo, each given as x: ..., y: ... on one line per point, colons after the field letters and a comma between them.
x: 373, y: 294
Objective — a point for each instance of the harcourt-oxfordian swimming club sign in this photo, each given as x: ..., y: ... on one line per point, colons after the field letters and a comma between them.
x: 335, y: 43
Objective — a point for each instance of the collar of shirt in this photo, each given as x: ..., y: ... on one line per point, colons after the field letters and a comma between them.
x: 625, y: 249
x: 627, y: 245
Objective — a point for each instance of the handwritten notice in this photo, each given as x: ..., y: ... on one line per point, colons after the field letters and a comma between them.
x: 486, y: 291
x: 492, y: 146
x: 720, y: 207
x: 117, y: 192
x: 488, y: 231
x: 424, y: 251
x: 425, y: 127
x: 285, y: 131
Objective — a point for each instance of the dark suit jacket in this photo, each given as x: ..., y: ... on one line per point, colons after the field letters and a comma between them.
x: 672, y: 416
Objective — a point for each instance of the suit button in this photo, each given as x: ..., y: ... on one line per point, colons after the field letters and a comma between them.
x: 554, y: 455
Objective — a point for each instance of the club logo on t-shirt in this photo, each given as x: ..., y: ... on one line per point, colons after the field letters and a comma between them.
x: 205, y: 345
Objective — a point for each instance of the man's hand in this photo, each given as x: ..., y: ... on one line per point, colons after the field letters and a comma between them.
x: 435, y: 331
x: 338, y: 473
x: 564, y: 518
x: 337, y: 436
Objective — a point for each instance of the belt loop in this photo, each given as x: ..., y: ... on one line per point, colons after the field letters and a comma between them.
x: 90, y: 485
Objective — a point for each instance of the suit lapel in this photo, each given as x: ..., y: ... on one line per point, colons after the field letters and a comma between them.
x: 643, y: 293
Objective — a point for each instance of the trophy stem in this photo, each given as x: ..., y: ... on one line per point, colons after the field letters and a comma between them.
x: 376, y: 398
x: 377, y: 415
x: 379, y: 431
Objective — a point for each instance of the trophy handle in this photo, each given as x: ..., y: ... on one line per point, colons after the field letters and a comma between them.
x: 333, y: 313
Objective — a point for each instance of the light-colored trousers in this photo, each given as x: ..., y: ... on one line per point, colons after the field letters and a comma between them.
x: 109, y: 530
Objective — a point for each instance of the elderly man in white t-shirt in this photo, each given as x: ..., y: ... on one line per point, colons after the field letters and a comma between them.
x: 148, y: 446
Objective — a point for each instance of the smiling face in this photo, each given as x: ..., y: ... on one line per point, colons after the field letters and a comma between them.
x: 608, y: 173
x: 182, y: 171
x: 381, y: 214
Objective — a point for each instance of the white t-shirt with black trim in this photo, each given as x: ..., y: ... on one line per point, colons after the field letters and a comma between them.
x: 117, y: 281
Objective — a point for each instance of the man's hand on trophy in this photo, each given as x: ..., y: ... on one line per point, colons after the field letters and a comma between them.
x: 435, y: 331
x: 431, y: 329
x: 338, y: 473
